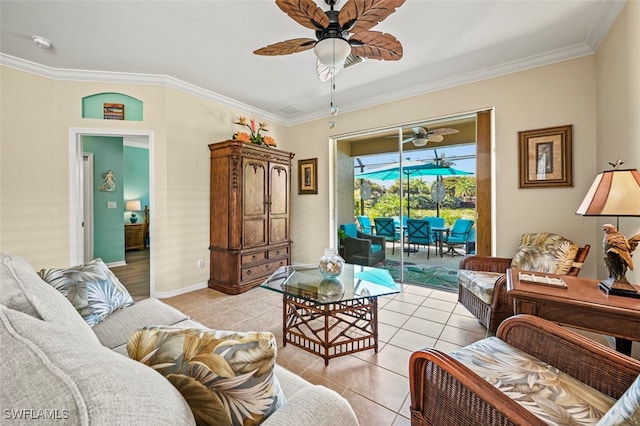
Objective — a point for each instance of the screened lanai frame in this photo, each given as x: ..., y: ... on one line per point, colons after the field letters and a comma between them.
x: 337, y: 198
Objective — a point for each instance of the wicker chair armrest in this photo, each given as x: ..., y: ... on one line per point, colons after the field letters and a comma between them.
x: 446, y: 392
x: 589, y: 362
x: 500, y: 296
x: 475, y: 262
x: 357, y: 245
x: 374, y: 239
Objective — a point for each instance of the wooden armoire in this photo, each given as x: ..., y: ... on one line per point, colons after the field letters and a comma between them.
x: 250, y: 207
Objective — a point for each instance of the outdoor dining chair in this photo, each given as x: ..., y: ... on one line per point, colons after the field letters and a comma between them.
x: 365, y: 224
x: 419, y: 233
x: 458, y: 236
x: 385, y: 227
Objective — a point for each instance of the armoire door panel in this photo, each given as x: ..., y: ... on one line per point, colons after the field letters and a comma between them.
x: 279, y: 183
x: 254, y: 232
x: 255, y: 186
x: 278, y: 230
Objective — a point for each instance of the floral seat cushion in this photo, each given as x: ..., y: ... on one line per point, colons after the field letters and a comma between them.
x: 627, y: 410
x: 479, y: 283
x: 548, y: 393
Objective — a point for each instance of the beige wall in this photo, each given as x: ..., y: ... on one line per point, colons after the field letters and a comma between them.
x: 618, y: 121
x: 598, y: 94
x: 37, y: 113
x: 558, y: 94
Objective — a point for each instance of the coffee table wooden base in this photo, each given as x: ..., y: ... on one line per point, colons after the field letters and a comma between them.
x: 330, y: 330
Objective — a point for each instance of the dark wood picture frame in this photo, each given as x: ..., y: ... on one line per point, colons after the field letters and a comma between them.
x: 546, y: 157
x: 308, y: 176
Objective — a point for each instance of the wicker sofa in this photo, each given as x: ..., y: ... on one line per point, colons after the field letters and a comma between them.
x: 458, y: 389
x: 492, y: 309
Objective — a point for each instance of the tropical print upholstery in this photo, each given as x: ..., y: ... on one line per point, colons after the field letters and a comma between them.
x: 92, y: 288
x: 545, y: 252
x: 227, y: 378
x: 479, y: 283
x: 627, y: 410
x: 548, y: 393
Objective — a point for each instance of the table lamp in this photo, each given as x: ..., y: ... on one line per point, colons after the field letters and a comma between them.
x: 615, y: 193
x: 133, y: 206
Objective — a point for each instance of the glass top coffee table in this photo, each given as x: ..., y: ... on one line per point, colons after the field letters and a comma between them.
x: 331, y: 317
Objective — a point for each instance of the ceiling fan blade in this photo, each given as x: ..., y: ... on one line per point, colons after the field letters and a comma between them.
x: 443, y: 131
x: 305, y: 13
x: 286, y: 47
x: 436, y: 138
x: 362, y: 15
x: 408, y: 140
x: 376, y: 45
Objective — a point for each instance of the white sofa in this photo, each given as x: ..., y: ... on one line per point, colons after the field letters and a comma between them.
x: 54, y: 366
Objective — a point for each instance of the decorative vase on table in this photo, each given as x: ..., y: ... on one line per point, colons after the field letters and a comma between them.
x: 331, y: 264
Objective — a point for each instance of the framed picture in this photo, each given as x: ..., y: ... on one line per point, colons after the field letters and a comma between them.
x: 546, y: 157
x: 113, y: 111
x: 308, y: 176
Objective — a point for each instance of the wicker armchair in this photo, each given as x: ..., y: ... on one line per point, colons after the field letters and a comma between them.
x: 361, y: 248
x: 501, y: 307
x: 446, y: 392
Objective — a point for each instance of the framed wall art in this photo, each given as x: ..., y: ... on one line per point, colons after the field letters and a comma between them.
x: 308, y: 176
x: 545, y: 157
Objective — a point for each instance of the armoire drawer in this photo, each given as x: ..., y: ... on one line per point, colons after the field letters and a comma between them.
x: 279, y: 252
x: 263, y: 270
x: 254, y: 257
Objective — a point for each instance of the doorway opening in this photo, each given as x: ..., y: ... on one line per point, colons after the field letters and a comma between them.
x: 83, y: 223
x: 406, y: 182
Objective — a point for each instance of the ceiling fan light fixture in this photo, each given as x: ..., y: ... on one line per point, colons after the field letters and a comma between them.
x: 332, y: 51
x: 420, y: 141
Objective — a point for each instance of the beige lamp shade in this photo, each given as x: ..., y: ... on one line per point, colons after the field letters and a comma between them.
x: 133, y: 205
x: 613, y: 193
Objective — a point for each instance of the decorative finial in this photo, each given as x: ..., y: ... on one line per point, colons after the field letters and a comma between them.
x: 618, y: 162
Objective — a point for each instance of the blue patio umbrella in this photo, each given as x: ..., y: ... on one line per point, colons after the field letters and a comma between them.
x: 410, y: 169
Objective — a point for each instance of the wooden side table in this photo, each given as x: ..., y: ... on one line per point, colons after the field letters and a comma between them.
x: 134, y: 236
x: 581, y: 304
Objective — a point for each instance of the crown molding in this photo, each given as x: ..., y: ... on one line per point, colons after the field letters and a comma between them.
x: 133, y: 78
x: 582, y: 49
x: 548, y: 58
x: 607, y: 15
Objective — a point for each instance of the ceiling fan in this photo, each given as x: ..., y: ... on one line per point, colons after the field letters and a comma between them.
x: 332, y: 28
x: 422, y: 135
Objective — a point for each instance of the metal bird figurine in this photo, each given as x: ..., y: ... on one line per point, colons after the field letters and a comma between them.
x: 617, y: 254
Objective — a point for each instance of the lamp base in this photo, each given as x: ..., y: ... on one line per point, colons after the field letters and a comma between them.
x: 617, y: 288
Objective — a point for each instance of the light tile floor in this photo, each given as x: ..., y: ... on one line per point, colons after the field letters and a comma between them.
x: 376, y: 385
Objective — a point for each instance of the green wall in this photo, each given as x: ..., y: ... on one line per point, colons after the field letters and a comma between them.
x: 136, y: 178
x: 108, y: 154
x: 93, y: 105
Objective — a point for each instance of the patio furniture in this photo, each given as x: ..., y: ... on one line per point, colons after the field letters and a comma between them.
x: 419, y: 233
x: 365, y: 225
x: 458, y: 236
x: 482, y: 281
x: 385, y: 227
x: 488, y: 382
x: 361, y: 248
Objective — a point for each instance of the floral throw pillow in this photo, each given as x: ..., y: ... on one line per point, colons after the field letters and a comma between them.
x: 545, y: 252
x: 226, y: 378
x: 627, y: 410
x: 92, y: 288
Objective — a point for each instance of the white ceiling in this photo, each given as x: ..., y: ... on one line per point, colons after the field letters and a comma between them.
x: 209, y: 44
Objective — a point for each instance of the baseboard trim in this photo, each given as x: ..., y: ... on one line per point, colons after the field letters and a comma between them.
x: 116, y: 264
x: 179, y: 291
